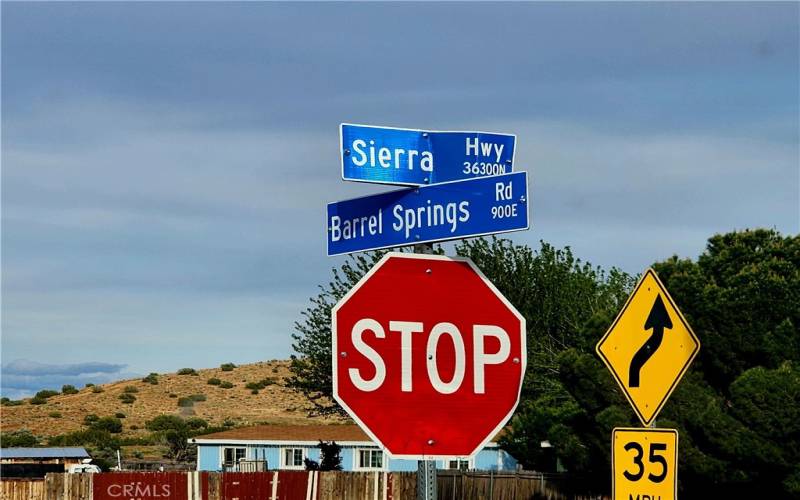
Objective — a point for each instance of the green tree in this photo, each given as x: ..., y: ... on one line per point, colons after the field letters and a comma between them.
x: 174, y: 433
x: 178, y: 446
x: 311, y: 370
x: 112, y: 425
x: 737, y: 408
x: 196, y: 424
x: 165, y: 422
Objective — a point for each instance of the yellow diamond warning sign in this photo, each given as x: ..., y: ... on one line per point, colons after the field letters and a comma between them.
x: 648, y: 347
x: 645, y: 464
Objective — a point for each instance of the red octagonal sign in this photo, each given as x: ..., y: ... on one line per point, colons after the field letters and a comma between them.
x: 428, y: 356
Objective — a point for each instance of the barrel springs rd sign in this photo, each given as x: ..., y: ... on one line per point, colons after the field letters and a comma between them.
x: 441, y: 212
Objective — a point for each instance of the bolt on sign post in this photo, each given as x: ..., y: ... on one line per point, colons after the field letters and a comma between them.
x: 645, y: 464
x: 428, y: 356
x: 649, y: 347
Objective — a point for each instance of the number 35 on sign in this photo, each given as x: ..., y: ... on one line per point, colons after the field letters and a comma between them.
x: 645, y: 464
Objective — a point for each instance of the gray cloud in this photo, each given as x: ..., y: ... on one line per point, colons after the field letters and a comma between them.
x: 34, y: 368
x: 22, y: 377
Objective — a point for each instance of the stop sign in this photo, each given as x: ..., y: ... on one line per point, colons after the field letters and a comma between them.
x: 428, y: 356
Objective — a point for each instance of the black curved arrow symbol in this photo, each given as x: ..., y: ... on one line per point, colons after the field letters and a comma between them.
x: 658, y: 319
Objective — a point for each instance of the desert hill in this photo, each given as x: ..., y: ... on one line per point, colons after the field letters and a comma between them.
x: 237, y: 405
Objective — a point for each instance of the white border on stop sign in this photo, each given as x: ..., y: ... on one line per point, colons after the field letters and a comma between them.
x: 335, y: 357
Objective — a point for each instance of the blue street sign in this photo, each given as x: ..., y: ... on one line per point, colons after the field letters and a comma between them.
x: 409, y: 157
x: 446, y: 211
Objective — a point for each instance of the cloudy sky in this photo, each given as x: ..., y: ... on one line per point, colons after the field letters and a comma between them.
x: 165, y: 167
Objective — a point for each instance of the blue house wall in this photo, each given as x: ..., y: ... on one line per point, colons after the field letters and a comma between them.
x: 209, y: 457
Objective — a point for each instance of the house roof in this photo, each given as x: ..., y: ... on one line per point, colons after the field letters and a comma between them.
x: 314, y: 433
x: 43, y: 453
x: 295, y: 433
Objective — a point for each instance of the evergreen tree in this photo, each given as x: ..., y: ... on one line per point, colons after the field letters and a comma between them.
x: 330, y: 456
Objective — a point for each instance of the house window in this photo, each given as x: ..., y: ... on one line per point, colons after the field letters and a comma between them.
x: 292, y: 458
x: 369, y: 459
x: 457, y: 464
x: 231, y: 456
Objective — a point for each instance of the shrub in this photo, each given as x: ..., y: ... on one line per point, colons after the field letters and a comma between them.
x: 88, y: 384
x: 68, y: 389
x: 261, y: 384
x: 165, y: 422
x: 198, y: 397
x: 151, y: 379
x: 130, y: 389
x: 21, y: 438
x: 214, y: 381
x: 185, y: 402
x: 111, y: 425
x: 254, y: 391
x: 90, y: 419
x: 54, y: 414
x: 228, y: 423
x: 134, y: 427
x: 127, y: 398
x: 196, y: 423
x: 97, y: 389
x: 187, y: 371
x: 227, y: 367
x: 173, y: 395
x: 119, y: 414
x: 38, y: 401
x: 46, y: 393
x: 226, y: 385
x: 11, y: 402
x: 138, y: 454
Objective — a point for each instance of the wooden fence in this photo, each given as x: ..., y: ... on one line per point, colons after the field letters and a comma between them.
x: 280, y: 485
x: 22, y: 489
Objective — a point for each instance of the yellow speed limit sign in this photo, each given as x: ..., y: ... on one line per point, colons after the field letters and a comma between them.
x: 644, y: 464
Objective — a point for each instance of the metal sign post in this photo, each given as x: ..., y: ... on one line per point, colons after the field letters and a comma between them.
x: 647, y: 367
x: 426, y: 469
x: 426, y: 480
x: 465, y: 186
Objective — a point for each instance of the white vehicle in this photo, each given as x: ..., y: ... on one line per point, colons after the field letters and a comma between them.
x: 78, y: 468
